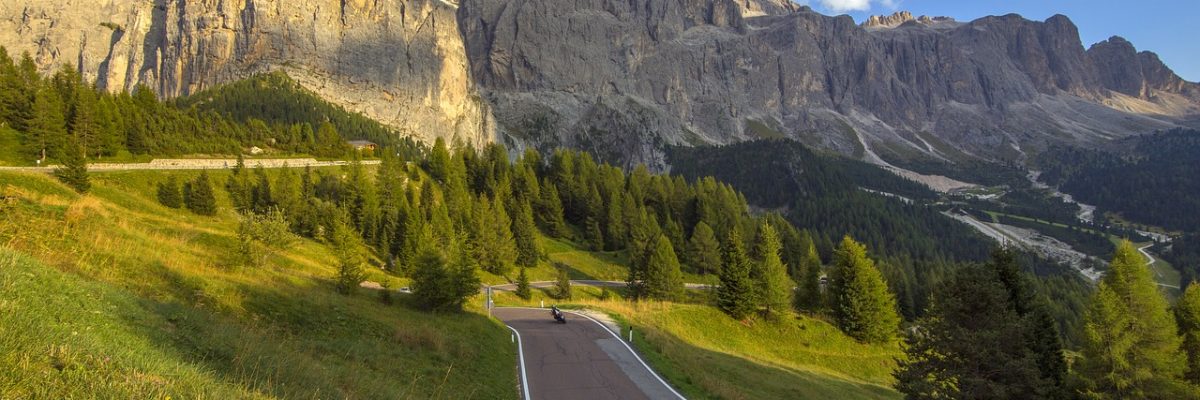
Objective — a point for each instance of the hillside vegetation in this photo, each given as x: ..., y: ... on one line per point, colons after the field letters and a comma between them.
x: 112, y: 295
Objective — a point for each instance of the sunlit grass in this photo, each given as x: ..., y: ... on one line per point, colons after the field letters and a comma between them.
x: 142, y: 301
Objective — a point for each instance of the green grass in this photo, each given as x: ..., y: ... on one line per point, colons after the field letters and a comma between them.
x: 10, y: 149
x: 111, y: 295
x: 706, y: 354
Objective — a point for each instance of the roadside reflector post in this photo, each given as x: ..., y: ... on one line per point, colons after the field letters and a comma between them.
x: 543, y: 304
x: 631, y: 334
x: 513, y: 338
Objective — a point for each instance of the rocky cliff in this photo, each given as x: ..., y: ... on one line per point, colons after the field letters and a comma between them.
x: 626, y: 78
x: 399, y: 61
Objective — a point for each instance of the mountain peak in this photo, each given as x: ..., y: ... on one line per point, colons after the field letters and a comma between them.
x: 902, y: 17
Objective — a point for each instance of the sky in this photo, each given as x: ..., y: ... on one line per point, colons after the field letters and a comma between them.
x: 1170, y: 28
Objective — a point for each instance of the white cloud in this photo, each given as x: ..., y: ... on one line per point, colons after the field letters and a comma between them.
x: 854, y: 5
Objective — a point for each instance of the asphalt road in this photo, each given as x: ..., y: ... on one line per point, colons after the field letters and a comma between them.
x: 586, y: 282
x: 578, y: 360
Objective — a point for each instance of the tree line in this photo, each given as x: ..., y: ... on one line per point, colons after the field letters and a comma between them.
x: 62, y: 114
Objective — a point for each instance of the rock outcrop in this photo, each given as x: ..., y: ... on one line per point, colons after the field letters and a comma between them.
x: 626, y: 78
x: 903, y: 17
x: 402, y: 62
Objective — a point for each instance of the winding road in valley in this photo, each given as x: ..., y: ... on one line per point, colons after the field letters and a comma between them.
x: 582, y: 359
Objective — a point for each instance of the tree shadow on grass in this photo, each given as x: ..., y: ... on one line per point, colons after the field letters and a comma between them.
x: 711, y: 374
x: 307, y: 342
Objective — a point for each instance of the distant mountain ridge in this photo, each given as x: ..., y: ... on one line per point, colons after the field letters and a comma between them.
x: 625, y: 79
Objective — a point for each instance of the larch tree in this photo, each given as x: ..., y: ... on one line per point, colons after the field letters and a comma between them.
x: 1187, y: 315
x: 1131, y: 346
x: 664, y: 281
x: 523, y: 290
x: 735, y: 296
x: 863, y: 306
x: 774, y: 286
x: 808, y: 274
x: 704, y: 251
x: 525, y: 234
x: 73, y: 170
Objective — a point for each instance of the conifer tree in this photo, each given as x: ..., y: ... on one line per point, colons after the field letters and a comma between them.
x: 84, y: 124
x: 774, y: 286
x: 47, y: 127
x: 169, y: 194
x: 73, y: 170
x: 1130, y: 341
x: 809, y: 273
x: 863, y: 306
x: 495, y: 250
x: 562, y: 284
x: 663, y: 280
x: 1187, y: 315
x: 347, y: 246
x: 198, y: 196
x: 439, y: 161
x: 704, y: 252
x: 595, y: 236
x: 239, y: 186
x: 735, y: 296
x: 525, y: 235
x: 550, y: 211
x: 523, y: 290
x: 443, y: 282
x: 978, y: 340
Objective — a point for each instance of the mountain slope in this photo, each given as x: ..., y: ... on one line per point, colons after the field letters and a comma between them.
x: 638, y: 74
x: 625, y: 79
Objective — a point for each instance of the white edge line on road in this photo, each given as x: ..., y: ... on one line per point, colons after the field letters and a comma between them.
x: 521, y: 357
x: 618, y: 337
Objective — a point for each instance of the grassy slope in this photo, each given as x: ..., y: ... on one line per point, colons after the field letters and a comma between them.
x: 706, y: 354
x: 118, y: 295
x: 709, y: 355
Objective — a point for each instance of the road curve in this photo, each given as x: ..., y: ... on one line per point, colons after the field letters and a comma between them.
x: 579, y: 360
x: 509, y: 287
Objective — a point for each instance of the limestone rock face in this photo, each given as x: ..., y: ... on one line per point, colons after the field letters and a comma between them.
x: 622, y: 78
x: 399, y: 61
x: 626, y: 78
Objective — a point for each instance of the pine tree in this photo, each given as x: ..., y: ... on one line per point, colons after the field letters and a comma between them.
x: 704, y: 252
x: 198, y: 196
x: 523, y: 290
x: 169, y: 194
x: 1187, y: 315
x: 347, y: 246
x: 973, y: 342
x: 73, y: 170
x: 663, y: 280
x: 562, y: 284
x: 239, y: 186
x: 550, y: 211
x: 595, y: 236
x: 495, y: 249
x: 525, y: 235
x: 863, y: 306
x: 1130, y: 342
x: 774, y: 286
x: 84, y: 124
x: 439, y: 161
x: 47, y: 127
x: 442, y: 283
x: 735, y: 296
x: 809, y: 297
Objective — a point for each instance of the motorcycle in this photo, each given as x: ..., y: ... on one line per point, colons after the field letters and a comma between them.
x: 558, y: 315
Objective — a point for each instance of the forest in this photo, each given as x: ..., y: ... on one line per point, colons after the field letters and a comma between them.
x: 269, y: 111
x: 1149, y: 179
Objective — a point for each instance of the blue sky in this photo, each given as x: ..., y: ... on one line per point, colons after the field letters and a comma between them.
x: 1170, y: 28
